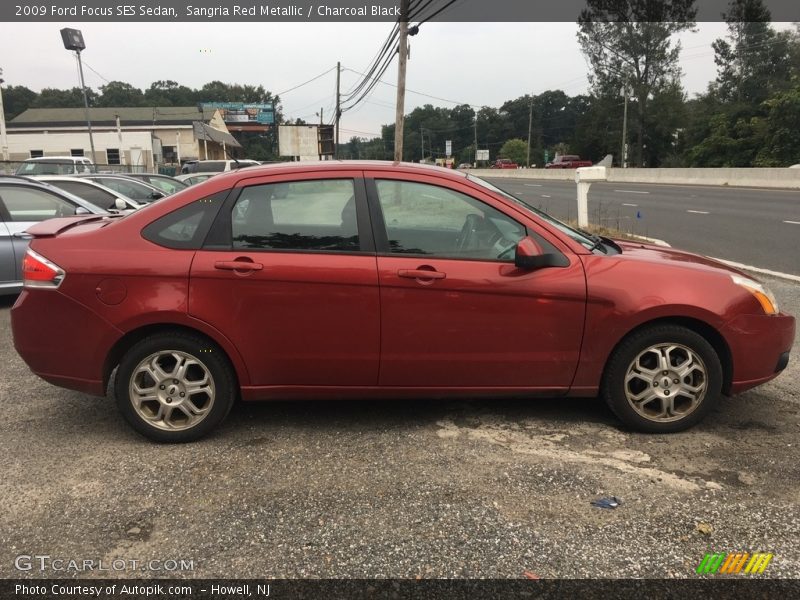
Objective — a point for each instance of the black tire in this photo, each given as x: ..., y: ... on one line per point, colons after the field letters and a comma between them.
x: 207, y: 363
x: 613, y: 387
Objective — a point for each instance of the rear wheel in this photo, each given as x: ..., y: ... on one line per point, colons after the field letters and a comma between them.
x: 663, y: 379
x: 174, y: 387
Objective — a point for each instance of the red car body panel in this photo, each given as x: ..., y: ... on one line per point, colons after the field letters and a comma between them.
x: 329, y: 325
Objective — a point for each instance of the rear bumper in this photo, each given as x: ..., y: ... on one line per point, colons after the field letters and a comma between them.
x: 61, y: 340
x: 760, y: 347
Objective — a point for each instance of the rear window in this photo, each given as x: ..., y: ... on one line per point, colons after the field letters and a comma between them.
x: 211, y: 166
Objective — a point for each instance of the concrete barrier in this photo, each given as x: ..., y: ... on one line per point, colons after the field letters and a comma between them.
x: 736, y: 177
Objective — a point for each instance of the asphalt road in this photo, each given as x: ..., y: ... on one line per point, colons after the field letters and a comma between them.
x: 432, y: 489
x: 756, y: 227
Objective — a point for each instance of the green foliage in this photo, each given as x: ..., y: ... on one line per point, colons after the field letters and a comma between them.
x: 516, y: 150
x: 17, y: 99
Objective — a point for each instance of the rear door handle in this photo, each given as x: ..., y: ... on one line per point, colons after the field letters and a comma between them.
x: 420, y: 274
x: 237, y: 265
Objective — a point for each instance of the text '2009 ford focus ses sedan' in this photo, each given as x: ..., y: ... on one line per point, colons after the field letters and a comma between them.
x: 362, y: 279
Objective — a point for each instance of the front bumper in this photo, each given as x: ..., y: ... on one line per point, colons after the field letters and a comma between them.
x: 760, y: 346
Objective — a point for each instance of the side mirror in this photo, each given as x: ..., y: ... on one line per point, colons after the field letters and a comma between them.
x: 156, y: 195
x: 81, y: 211
x: 120, y: 204
x: 529, y: 255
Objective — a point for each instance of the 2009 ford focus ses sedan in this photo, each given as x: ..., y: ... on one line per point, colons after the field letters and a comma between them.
x: 367, y: 279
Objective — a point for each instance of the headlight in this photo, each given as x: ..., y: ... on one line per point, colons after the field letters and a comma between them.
x: 761, y: 292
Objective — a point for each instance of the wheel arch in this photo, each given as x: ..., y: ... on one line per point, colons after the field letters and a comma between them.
x: 708, y: 332
x: 132, y: 337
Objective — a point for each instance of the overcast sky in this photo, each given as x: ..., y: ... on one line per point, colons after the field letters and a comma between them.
x: 474, y: 63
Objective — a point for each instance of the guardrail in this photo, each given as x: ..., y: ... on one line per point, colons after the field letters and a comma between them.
x: 735, y: 177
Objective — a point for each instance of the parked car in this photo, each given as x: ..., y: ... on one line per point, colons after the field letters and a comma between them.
x: 24, y: 203
x: 91, y: 191
x: 56, y: 165
x: 568, y: 161
x: 367, y: 279
x: 504, y: 163
x: 216, y: 166
x: 165, y: 183
x: 465, y: 166
x: 194, y: 178
x: 141, y: 192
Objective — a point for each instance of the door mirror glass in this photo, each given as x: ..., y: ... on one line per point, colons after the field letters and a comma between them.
x: 81, y: 211
x: 120, y: 204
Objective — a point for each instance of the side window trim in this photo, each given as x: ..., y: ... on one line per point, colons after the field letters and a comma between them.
x: 219, y: 236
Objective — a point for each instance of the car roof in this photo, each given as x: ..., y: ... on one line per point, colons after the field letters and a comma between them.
x: 58, y: 158
x: 343, y: 165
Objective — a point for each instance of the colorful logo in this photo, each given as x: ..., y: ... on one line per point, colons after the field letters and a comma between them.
x: 735, y: 563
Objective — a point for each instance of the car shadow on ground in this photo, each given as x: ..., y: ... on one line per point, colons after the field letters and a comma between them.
x: 382, y: 415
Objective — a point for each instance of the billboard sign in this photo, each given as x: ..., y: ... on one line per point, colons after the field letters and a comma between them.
x: 243, y: 112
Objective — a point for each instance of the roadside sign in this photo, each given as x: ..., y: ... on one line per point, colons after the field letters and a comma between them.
x: 482, y: 155
x: 448, y: 148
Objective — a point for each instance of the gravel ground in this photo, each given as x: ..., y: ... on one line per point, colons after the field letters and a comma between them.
x: 481, y: 489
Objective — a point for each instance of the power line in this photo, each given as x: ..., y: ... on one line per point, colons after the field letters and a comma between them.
x: 414, y: 91
x: 291, y: 89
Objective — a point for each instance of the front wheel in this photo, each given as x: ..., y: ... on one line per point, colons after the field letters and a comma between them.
x: 174, y: 387
x: 663, y: 379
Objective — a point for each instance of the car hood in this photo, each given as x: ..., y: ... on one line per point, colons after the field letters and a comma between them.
x: 678, y: 258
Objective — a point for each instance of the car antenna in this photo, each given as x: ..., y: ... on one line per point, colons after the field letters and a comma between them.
x: 232, y: 157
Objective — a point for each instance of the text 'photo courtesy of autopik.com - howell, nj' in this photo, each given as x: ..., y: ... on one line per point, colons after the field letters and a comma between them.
x: 399, y: 299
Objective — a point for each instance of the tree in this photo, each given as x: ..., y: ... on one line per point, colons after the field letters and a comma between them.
x: 169, y: 93
x: 752, y: 62
x: 118, y: 93
x: 54, y: 98
x: 629, y: 43
x: 16, y: 100
x: 516, y: 150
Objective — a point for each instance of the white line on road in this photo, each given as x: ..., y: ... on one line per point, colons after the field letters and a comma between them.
x: 546, y: 196
x: 532, y: 184
x: 698, y: 212
x: 627, y: 204
x: 778, y: 274
x: 793, y: 222
x: 631, y: 192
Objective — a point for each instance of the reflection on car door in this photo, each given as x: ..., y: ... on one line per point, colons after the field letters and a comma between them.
x: 289, y: 277
x: 455, y: 311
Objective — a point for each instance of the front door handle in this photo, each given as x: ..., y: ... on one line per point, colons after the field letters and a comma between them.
x: 237, y: 265
x: 420, y: 274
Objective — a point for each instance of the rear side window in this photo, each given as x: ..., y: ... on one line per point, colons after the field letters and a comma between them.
x: 302, y: 215
x: 97, y: 196
x: 27, y: 204
x: 185, y: 228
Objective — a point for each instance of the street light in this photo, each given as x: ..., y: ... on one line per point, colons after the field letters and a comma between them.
x: 73, y: 40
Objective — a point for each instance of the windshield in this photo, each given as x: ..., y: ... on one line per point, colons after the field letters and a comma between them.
x: 587, y: 240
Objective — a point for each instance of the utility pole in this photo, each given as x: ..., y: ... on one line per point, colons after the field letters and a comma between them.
x: 319, y: 132
x: 530, y: 124
x: 475, y: 164
x: 623, y: 160
x: 3, y: 135
x: 422, y: 145
x: 401, y: 82
x: 338, y: 109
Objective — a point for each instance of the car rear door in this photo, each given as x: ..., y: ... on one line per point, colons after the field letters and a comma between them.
x: 288, y: 273
x: 455, y: 311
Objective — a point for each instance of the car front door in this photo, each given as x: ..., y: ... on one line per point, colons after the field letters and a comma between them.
x: 289, y: 274
x: 455, y: 311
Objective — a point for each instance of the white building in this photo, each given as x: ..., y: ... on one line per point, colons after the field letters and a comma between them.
x: 141, y: 137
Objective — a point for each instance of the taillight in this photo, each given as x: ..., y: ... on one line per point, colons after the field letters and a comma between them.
x: 39, y: 272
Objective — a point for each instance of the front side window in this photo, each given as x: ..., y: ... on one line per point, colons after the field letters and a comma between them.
x: 26, y: 204
x: 432, y: 220
x: 301, y: 215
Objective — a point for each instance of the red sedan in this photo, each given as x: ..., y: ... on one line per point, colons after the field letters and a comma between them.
x: 368, y: 279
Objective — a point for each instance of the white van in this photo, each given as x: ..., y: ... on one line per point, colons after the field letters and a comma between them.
x: 56, y: 165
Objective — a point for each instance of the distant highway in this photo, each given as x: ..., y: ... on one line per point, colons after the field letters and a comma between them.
x: 754, y: 226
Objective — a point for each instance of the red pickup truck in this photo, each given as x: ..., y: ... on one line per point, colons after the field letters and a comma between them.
x: 568, y: 161
x: 504, y: 163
